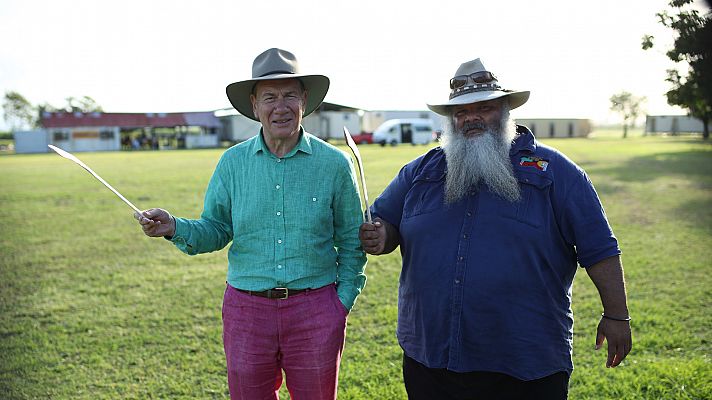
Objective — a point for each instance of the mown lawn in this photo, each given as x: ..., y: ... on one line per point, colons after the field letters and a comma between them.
x: 92, y: 309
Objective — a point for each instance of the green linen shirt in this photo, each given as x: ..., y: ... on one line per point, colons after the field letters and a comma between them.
x: 293, y: 221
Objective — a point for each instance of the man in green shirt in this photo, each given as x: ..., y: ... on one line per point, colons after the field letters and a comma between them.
x: 289, y: 204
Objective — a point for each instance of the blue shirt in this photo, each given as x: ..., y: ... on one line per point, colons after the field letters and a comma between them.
x: 293, y: 221
x: 486, y: 283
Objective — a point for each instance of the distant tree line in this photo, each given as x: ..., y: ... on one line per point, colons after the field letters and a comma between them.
x: 19, y: 113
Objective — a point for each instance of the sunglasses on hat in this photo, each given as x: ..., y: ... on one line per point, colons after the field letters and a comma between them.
x: 477, y: 77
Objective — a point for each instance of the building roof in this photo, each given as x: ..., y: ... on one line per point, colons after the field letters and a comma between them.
x: 64, y: 119
x: 206, y: 119
x: 326, y: 106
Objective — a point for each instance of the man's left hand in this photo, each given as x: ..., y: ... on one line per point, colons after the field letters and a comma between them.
x: 618, y: 336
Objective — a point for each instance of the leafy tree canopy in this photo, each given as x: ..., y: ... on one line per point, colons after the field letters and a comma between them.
x: 692, y: 44
x: 18, y: 112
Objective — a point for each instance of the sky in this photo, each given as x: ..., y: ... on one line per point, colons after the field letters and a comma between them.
x: 173, y: 56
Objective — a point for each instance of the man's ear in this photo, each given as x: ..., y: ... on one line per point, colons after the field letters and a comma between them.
x: 253, y: 100
x: 305, y: 96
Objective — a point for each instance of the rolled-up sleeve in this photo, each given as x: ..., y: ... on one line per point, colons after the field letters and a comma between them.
x: 585, y: 224
x: 389, y: 205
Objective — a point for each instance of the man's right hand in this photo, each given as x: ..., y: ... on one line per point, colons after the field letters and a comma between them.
x: 373, y: 236
x: 156, y: 222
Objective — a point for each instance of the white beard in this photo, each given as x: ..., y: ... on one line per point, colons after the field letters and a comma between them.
x: 482, y: 158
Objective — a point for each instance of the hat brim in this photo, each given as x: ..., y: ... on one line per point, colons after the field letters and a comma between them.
x: 516, y: 99
x: 239, y: 92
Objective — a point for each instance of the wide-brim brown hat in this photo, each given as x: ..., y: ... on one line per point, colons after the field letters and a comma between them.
x: 276, y: 64
x: 473, y: 91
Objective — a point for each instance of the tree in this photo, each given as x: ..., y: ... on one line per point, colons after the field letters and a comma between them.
x: 84, y: 104
x: 19, y: 112
x: 628, y: 106
x: 693, y: 44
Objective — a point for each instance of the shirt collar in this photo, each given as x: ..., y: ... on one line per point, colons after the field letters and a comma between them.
x: 525, y: 141
x: 303, y: 145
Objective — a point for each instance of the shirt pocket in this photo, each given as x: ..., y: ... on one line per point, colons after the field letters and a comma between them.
x: 533, y: 208
x: 318, y: 206
x: 425, y: 195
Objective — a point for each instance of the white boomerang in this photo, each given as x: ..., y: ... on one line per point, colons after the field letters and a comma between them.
x: 352, y: 145
x: 69, y: 156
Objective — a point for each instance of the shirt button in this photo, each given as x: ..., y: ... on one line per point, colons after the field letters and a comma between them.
x: 457, y: 281
x: 313, y: 198
x: 279, y: 213
x: 461, y: 258
x: 277, y: 187
x: 279, y: 241
x: 464, y: 236
x: 279, y: 160
x: 469, y: 214
x: 279, y: 266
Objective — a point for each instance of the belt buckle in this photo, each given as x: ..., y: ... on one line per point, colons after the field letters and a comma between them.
x: 286, y: 292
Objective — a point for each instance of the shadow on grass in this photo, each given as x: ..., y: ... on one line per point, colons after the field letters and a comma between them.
x: 698, y: 212
x: 695, y: 165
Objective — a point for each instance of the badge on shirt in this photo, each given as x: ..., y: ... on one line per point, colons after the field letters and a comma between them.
x: 536, y: 162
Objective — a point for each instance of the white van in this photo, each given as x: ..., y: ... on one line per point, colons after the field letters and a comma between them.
x: 404, y: 130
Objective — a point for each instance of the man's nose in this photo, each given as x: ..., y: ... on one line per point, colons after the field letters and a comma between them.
x: 472, y: 116
x: 281, y: 103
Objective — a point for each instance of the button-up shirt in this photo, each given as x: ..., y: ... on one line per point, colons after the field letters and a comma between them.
x: 293, y: 220
x: 486, y: 283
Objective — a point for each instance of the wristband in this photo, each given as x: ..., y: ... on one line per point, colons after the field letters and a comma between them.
x: 603, y: 315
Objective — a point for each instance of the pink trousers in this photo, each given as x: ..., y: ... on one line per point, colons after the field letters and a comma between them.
x: 302, y: 335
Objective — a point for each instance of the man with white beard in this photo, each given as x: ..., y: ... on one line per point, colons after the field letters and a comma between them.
x: 492, y: 226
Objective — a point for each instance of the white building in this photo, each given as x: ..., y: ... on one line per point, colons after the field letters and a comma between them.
x: 672, y: 124
x: 31, y: 141
x: 557, y: 127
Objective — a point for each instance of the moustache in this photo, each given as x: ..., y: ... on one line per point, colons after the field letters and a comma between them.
x: 473, y: 125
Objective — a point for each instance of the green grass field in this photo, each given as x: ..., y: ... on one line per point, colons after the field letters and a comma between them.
x: 92, y: 309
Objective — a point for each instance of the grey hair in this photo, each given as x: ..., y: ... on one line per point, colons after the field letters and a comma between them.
x: 480, y: 159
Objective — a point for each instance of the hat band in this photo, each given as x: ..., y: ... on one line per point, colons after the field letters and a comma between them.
x: 276, y: 72
x: 487, y: 87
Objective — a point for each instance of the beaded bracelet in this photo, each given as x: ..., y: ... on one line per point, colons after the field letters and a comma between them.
x: 603, y: 315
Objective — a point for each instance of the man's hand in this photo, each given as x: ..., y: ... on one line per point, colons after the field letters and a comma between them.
x: 373, y: 237
x: 607, y: 275
x: 618, y: 336
x: 156, y: 222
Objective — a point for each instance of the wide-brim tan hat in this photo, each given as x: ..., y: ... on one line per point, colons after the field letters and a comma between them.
x: 477, y: 84
x: 276, y: 64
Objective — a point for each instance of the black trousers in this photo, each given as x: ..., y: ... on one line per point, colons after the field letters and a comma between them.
x: 423, y: 383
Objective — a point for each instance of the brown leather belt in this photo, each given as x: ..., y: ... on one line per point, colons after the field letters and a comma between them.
x: 276, y: 293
